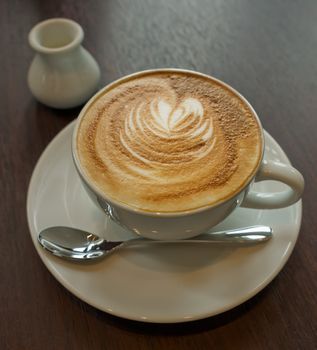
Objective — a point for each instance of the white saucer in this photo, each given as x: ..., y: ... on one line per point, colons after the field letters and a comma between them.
x: 161, y: 283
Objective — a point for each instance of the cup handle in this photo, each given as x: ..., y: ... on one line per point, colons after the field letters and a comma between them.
x: 271, y: 170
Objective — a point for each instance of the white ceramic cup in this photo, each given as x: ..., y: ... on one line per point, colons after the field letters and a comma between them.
x: 186, y: 224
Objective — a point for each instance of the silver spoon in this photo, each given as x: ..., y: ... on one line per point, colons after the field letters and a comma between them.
x: 71, y: 243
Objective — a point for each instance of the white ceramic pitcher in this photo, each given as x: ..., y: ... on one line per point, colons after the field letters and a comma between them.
x: 62, y: 74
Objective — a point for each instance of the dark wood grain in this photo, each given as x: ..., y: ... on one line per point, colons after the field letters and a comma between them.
x: 265, y: 49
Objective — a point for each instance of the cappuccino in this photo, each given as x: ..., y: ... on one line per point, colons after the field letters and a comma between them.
x: 169, y: 141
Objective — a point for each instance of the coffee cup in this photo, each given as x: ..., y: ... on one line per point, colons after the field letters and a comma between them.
x: 170, y: 153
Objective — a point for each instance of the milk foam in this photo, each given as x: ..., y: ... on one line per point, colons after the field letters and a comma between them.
x: 169, y: 142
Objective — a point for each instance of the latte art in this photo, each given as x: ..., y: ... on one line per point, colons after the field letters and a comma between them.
x: 183, y: 126
x: 168, y: 118
x: 168, y: 142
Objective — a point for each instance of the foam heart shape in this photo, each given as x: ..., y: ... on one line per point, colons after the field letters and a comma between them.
x: 169, y: 118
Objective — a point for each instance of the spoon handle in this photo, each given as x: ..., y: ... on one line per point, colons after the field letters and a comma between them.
x: 258, y: 233
x: 251, y: 234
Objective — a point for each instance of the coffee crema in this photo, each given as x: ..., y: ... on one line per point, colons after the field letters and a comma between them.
x: 168, y: 142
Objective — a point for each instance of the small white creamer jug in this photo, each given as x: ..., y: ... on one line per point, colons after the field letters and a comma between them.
x: 62, y: 74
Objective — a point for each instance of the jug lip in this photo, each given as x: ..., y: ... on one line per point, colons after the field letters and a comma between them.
x: 50, y: 27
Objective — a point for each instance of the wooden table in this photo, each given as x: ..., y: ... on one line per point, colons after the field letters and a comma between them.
x: 265, y: 49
